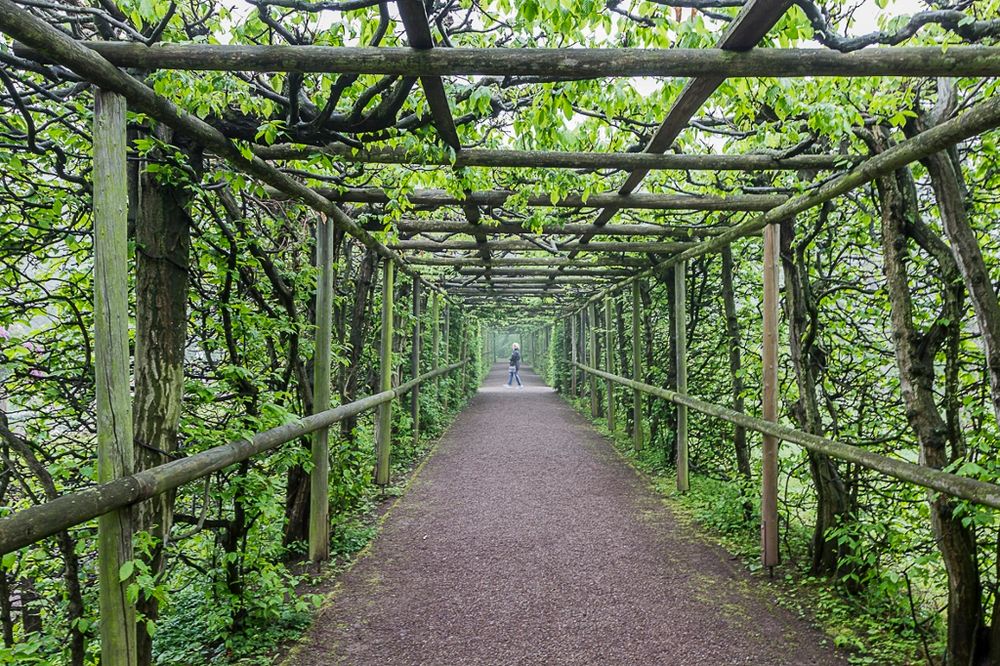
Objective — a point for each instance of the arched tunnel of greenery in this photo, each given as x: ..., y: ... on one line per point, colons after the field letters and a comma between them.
x: 245, y: 288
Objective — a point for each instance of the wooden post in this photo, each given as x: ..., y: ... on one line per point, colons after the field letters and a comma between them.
x: 115, y: 455
x: 680, y: 331
x: 319, y: 478
x: 415, y: 363
x: 383, y: 417
x: 636, y: 369
x: 572, y: 347
x: 609, y: 362
x: 436, y: 340
x: 769, y: 481
x: 592, y: 359
x: 446, y: 348
x: 463, y: 352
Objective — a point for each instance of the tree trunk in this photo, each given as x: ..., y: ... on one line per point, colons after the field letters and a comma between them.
x: 356, y: 340
x: 735, y: 361
x: 163, y: 243
x: 915, y: 353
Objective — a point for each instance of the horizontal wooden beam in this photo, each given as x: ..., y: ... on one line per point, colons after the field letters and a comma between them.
x: 620, y: 246
x: 527, y: 280
x: 546, y: 272
x: 963, y: 487
x: 550, y: 159
x: 459, y: 226
x: 641, y: 200
x: 556, y: 64
x: 475, y: 261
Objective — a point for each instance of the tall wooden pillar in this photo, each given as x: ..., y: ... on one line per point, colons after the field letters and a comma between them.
x: 573, y: 359
x: 383, y: 417
x: 436, y: 340
x: 769, y: 490
x: 415, y: 349
x: 609, y: 363
x: 636, y: 368
x: 115, y: 455
x: 592, y: 359
x: 446, y: 348
x: 680, y: 333
x: 463, y: 352
x: 319, y: 477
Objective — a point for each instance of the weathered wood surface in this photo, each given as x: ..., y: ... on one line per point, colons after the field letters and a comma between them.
x: 526, y: 245
x: 609, y: 363
x: 550, y: 63
x: 383, y: 417
x: 551, y: 159
x: 115, y: 454
x: 639, y: 200
x: 33, y: 524
x: 636, y: 368
x: 680, y: 335
x: 416, y: 348
x: 639, y: 229
x: 470, y: 261
x: 319, y: 477
x: 769, y: 406
x: 499, y: 273
x: 980, y: 492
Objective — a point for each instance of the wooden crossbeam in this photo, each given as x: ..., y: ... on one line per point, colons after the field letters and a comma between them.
x: 416, y: 260
x: 642, y: 200
x: 457, y: 226
x: 546, y: 272
x: 553, y: 64
x: 620, y: 246
x: 516, y: 281
x: 552, y: 159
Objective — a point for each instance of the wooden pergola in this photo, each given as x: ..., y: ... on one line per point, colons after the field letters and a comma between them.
x: 566, y: 270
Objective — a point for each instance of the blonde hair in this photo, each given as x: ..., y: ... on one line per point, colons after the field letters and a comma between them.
x: 515, y: 346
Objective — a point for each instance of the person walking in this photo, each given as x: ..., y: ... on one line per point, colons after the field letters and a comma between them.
x: 515, y: 367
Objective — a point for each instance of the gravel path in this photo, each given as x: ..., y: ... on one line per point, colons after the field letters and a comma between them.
x: 526, y: 540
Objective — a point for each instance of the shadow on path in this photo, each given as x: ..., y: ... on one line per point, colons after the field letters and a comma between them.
x: 526, y: 540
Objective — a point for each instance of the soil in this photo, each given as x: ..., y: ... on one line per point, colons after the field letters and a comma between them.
x: 525, y: 539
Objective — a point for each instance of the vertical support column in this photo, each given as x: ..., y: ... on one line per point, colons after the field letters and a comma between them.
x: 680, y: 332
x: 383, y: 417
x: 592, y: 359
x: 636, y: 369
x: 319, y: 477
x: 769, y: 480
x: 573, y: 359
x: 415, y: 362
x: 609, y: 363
x: 446, y: 350
x: 463, y: 352
x: 115, y: 455
x: 436, y: 340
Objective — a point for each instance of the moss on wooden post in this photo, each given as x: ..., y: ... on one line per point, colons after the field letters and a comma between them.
x: 115, y: 455
x: 636, y: 369
x: 769, y: 463
x: 595, y: 405
x: 572, y: 347
x: 383, y: 417
x: 319, y: 477
x: 415, y: 350
x: 609, y: 362
x: 680, y: 330
x: 436, y: 340
x: 446, y: 349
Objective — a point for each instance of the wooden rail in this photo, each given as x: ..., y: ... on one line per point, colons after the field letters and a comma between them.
x: 979, y: 492
x: 555, y: 64
x: 35, y: 523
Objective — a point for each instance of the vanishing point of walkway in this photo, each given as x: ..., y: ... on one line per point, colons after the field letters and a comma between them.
x: 526, y: 540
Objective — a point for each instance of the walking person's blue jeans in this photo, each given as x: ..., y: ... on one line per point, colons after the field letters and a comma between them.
x: 512, y: 375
